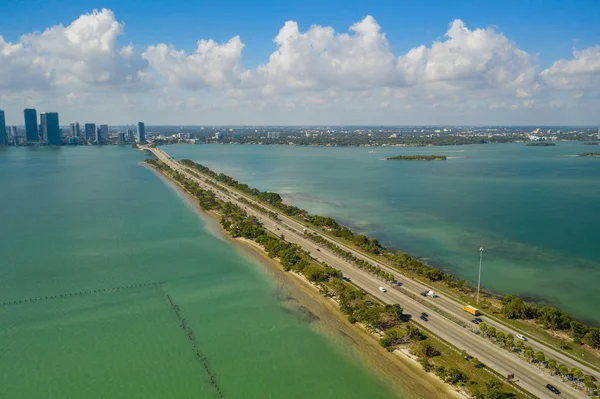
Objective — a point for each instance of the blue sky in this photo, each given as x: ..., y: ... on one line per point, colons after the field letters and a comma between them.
x: 548, y: 28
x: 497, y: 61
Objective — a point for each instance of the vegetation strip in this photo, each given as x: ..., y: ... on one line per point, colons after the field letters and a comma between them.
x: 78, y: 293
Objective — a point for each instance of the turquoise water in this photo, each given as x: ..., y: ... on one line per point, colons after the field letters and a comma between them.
x: 93, y: 219
x: 536, y: 210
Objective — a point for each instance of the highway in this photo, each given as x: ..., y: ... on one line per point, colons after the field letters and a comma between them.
x: 527, y: 375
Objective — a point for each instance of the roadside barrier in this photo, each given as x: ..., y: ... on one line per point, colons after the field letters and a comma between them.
x: 78, y: 293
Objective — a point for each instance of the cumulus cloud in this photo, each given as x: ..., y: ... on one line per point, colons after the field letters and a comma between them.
x: 480, y: 58
x: 580, y: 73
x: 82, y: 55
x: 315, y: 75
x: 211, y: 65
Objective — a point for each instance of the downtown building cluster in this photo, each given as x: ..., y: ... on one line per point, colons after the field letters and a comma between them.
x: 47, y: 131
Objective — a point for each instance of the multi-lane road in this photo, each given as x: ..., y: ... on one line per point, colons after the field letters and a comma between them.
x: 527, y: 375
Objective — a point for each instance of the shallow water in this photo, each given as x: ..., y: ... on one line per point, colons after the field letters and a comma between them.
x: 93, y: 225
x: 535, y: 210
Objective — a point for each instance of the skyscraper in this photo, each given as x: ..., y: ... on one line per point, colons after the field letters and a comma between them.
x: 99, y: 136
x: 141, y: 132
x: 31, y: 125
x: 104, y: 133
x: 77, y: 129
x: 73, y: 130
x: 3, y: 135
x: 51, y: 128
x: 121, y: 138
x: 43, y: 135
x: 90, y: 131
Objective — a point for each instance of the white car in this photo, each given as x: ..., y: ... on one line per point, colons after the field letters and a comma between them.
x: 382, y: 289
x: 521, y: 337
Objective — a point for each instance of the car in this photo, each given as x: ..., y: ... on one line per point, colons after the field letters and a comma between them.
x: 423, y: 293
x: 521, y: 337
x: 478, y: 320
x: 318, y: 250
x: 474, y: 321
x: 346, y: 278
x: 424, y: 318
x: 552, y: 389
x: 424, y: 314
x: 382, y: 289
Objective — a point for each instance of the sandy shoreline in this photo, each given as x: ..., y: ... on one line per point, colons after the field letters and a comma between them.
x: 300, y: 296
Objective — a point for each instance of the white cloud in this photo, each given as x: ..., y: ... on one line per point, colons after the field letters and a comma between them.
x: 470, y: 59
x: 316, y: 75
x: 83, y: 55
x: 212, y: 65
x: 580, y: 73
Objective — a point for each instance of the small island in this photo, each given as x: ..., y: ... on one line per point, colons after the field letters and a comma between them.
x: 590, y: 154
x: 542, y: 144
x: 417, y: 158
x: 590, y: 143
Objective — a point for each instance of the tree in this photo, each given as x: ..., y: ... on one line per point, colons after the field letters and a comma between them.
x: 500, y: 336
x: 426, y: 350
x: 563, y: 369
x: 520, y: 345
x: 483, y: 327
x: 455, y: 377
x: 509, y: 340
x: 493, y: 390
x: 552, y: 364
x: 539, y: 356
x: 589, y: 383
x: 592, y: 338
x: 528, y: 354
x: 577, y: 373
x: 491, y: 332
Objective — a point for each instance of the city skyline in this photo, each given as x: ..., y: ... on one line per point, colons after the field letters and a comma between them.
x: 453, y: 67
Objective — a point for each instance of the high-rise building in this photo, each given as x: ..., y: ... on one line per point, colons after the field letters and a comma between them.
x: 104, y: 133
x: 90, y: 131
x: 130, y: 134
x: 3, y: 135
x: 31, y: 125
x: 272, y: 135
x: 75, y: 130
x: 121, y: 138
x: 141, y: 132
x: 599, y: 133
x: 99, y: 138
x: 219, y: 136
x: 51, y: 128
x: 42, y: 132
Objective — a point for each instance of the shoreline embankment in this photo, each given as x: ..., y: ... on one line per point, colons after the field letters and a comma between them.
x: 397, y: 368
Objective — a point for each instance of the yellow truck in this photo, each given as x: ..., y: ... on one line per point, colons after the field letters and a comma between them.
x: 472, y: 310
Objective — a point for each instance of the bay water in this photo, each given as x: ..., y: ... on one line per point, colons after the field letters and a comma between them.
x: 535, y: 210
x: 93, y: 245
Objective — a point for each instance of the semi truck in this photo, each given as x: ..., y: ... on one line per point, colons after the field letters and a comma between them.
x: 472, y: 310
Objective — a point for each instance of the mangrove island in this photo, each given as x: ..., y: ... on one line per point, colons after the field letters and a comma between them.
x: 544, y: 144
x: 417, y: 158
x: 590, y: 154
